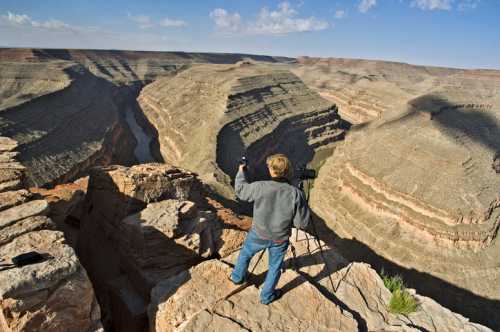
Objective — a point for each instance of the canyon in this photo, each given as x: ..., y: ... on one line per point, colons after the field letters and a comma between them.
x: 120, y: 165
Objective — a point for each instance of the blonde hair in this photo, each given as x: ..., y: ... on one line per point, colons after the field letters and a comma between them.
x: 280, y: 165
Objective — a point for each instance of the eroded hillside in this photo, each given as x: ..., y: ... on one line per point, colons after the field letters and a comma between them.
x: 415, y: 187
x: 69, y: 109
x: 235, y: 110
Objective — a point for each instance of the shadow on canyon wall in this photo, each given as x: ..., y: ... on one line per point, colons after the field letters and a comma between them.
x: 122, y: 274
x: 289, y: 137
x: 61, y: 125
x: 459, y: 121
x: 477, y: 308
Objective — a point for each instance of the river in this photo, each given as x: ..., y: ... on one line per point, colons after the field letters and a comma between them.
x: 142, y: 150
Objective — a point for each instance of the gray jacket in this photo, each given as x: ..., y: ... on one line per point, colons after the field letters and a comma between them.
x: 276, y: 205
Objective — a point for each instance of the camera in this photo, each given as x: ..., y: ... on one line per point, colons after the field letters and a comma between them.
x: 243, y: 161
x: 304, y: 173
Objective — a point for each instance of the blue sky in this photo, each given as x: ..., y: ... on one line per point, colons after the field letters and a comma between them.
x: 455, y: 33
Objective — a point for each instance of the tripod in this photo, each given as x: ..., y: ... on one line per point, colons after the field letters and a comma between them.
x: 315, y: 235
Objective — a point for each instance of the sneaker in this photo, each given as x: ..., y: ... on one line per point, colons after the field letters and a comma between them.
x: 236, y: 283
x: 278, y: 293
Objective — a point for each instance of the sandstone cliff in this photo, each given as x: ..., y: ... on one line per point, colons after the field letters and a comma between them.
x: 52, y: 295
x: 416, y: 189
x: 366, y: 89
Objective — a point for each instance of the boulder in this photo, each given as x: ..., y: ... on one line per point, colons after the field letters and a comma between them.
x: 162, y: 240
x: 118, y: 191
x: 53, y: 295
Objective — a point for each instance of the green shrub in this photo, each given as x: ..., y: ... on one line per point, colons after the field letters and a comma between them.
x: 393, y: 283
x: 401, y: 301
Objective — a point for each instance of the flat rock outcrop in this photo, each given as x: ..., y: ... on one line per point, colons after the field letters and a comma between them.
x: 254, y: 110
x: 337, y: 297
x: 52, y: 295
x: 193, y: 304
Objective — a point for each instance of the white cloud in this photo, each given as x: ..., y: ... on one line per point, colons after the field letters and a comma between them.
x: 468, y: 4
x: 17, y: 19
x: 51, y: 24
x: 461, y: 5
x: 20, y: 20
x: 173, y: 23
x: 365, y: 5
x: 339, y: 14
x: 143, y: 21
x: 226, y: 21
x: 282, y: 21
x: 432, y: 4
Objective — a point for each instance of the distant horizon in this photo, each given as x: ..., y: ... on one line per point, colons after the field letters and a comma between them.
x: 254, y: 54
x: 439, y: 33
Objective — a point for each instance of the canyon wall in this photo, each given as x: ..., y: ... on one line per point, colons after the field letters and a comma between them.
x: 68, y: 109
x: 54, y: 294
x: 415, y: 188
x: 209, y: 116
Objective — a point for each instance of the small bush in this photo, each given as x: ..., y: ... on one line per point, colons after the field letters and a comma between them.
x: 393, y: 283
x: 401, y: 301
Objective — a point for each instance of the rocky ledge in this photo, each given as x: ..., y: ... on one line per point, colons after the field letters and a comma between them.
x: 159, y: 248
x: 52, y: 295
x: 142, y: 225
x: 316, y: 297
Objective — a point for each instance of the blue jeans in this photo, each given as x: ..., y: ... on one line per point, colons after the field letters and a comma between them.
x: 252, y: 245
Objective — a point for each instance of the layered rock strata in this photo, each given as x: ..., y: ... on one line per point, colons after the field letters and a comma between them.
x: 364, y: 89
x: 64, y: 130
x: 419, y: 190
x: 68, y: 109
x: 52, y: 295
x: 243, y: 109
